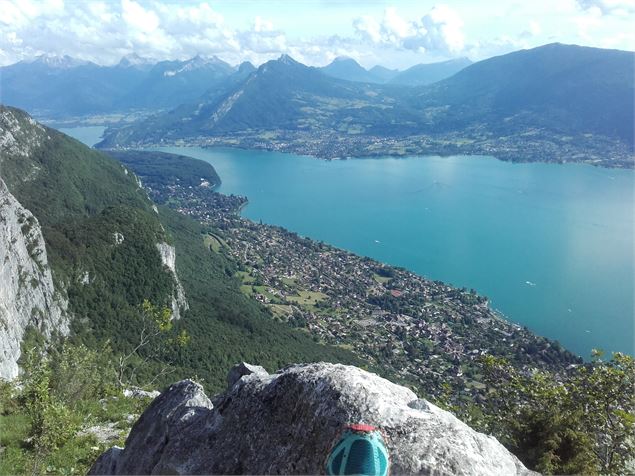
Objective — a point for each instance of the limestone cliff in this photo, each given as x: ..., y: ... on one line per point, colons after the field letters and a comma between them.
x: 285, y: 423
x: 85, y: 202
x: 168, y: 258
x: 27, y: 295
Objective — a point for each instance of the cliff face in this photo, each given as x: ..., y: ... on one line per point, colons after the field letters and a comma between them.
x: 100, y: 228
x: 286, y: 423
x: 27, y: 295
x: 168, y: 258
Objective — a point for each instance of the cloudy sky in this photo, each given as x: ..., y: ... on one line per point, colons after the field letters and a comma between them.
x: 395, y: 33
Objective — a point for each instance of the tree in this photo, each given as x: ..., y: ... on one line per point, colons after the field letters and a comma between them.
x: 52, y: 423
x: 578, y: 423
x: 605, y: 395
x: 155, y: 324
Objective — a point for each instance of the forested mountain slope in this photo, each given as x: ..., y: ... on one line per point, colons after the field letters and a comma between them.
x: 110, y: 251
x: 565, y: 88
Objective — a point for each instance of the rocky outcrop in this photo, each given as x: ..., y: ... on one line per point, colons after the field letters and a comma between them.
x: 168, y: 258
x: 285, y: 423
x: 27, y: 294
x: 19, y: 133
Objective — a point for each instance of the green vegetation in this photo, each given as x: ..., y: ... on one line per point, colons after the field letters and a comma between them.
x: 66, y: 180
x: 580, y: 424
x: 162, y: 168
x: 213, y: 242
x: 99, y: 228
x: 55, y: 421
x: 307, y: 298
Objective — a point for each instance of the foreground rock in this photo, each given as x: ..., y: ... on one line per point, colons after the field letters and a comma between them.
x: 285, y: 423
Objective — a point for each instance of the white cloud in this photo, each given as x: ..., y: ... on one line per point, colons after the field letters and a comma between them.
x: 104, y: 30
x: 589, y: 21
x: 138, y: 18
x: 533, y: 29
x: 439, y: 30
x: 443, y: 30
x: 260, y: 24
x: 610, y: 7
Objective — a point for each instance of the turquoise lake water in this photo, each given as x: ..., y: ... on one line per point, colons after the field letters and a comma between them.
x: 552, y: 246
x: 89, y: 135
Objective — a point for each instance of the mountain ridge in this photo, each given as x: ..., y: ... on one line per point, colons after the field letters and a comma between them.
x: 428, y: 73
x: 528, y: 105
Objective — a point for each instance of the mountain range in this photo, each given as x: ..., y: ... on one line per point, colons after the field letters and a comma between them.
x: 60, y: 86
x: 555, y: 102
x: 417, y: 75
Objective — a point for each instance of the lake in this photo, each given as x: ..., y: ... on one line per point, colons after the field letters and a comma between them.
x: 89, y: 135
x: 550, y: 245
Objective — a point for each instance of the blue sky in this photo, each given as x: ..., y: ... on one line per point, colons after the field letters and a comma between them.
x: 396, y: 33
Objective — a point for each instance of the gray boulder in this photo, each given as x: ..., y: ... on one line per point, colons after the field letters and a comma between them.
x: 286, y: 423
x: 239, y: 371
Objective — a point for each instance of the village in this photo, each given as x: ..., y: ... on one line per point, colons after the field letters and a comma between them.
x: 431, y: 335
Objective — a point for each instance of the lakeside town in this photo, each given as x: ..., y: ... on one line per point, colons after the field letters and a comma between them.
x: 430, y: 335
x: 529, y: 145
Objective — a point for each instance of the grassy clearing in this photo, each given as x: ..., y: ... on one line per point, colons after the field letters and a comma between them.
x: 281, y: 311
x: 250, y: 290
x: 214, y: 242
x: 245, y: 277
x: 289, y: 281
x: 381, y: 279
x: 76, y: 455
x: 306, y: 298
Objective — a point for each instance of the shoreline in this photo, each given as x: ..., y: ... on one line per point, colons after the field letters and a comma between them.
x: 622, y: 164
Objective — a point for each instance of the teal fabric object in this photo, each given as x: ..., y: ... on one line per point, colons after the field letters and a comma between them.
x: 360, y: 450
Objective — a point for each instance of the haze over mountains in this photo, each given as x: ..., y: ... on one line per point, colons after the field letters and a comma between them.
x: 417, y: 75
x: 63, y: 86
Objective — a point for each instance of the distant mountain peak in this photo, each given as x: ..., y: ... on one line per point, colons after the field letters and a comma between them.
x: 286, y: 59
x: 379, y: 67
x: 197, y: 62
x: 57, y: 61
x: 343, y: 58
x: 283, y: 63
x: 245, y: 66
x: 133, y: 59
x: 428, y: 73
x: 344, y: 67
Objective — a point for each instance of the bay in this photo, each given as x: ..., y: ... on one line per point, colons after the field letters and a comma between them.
x: 552, y: 246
